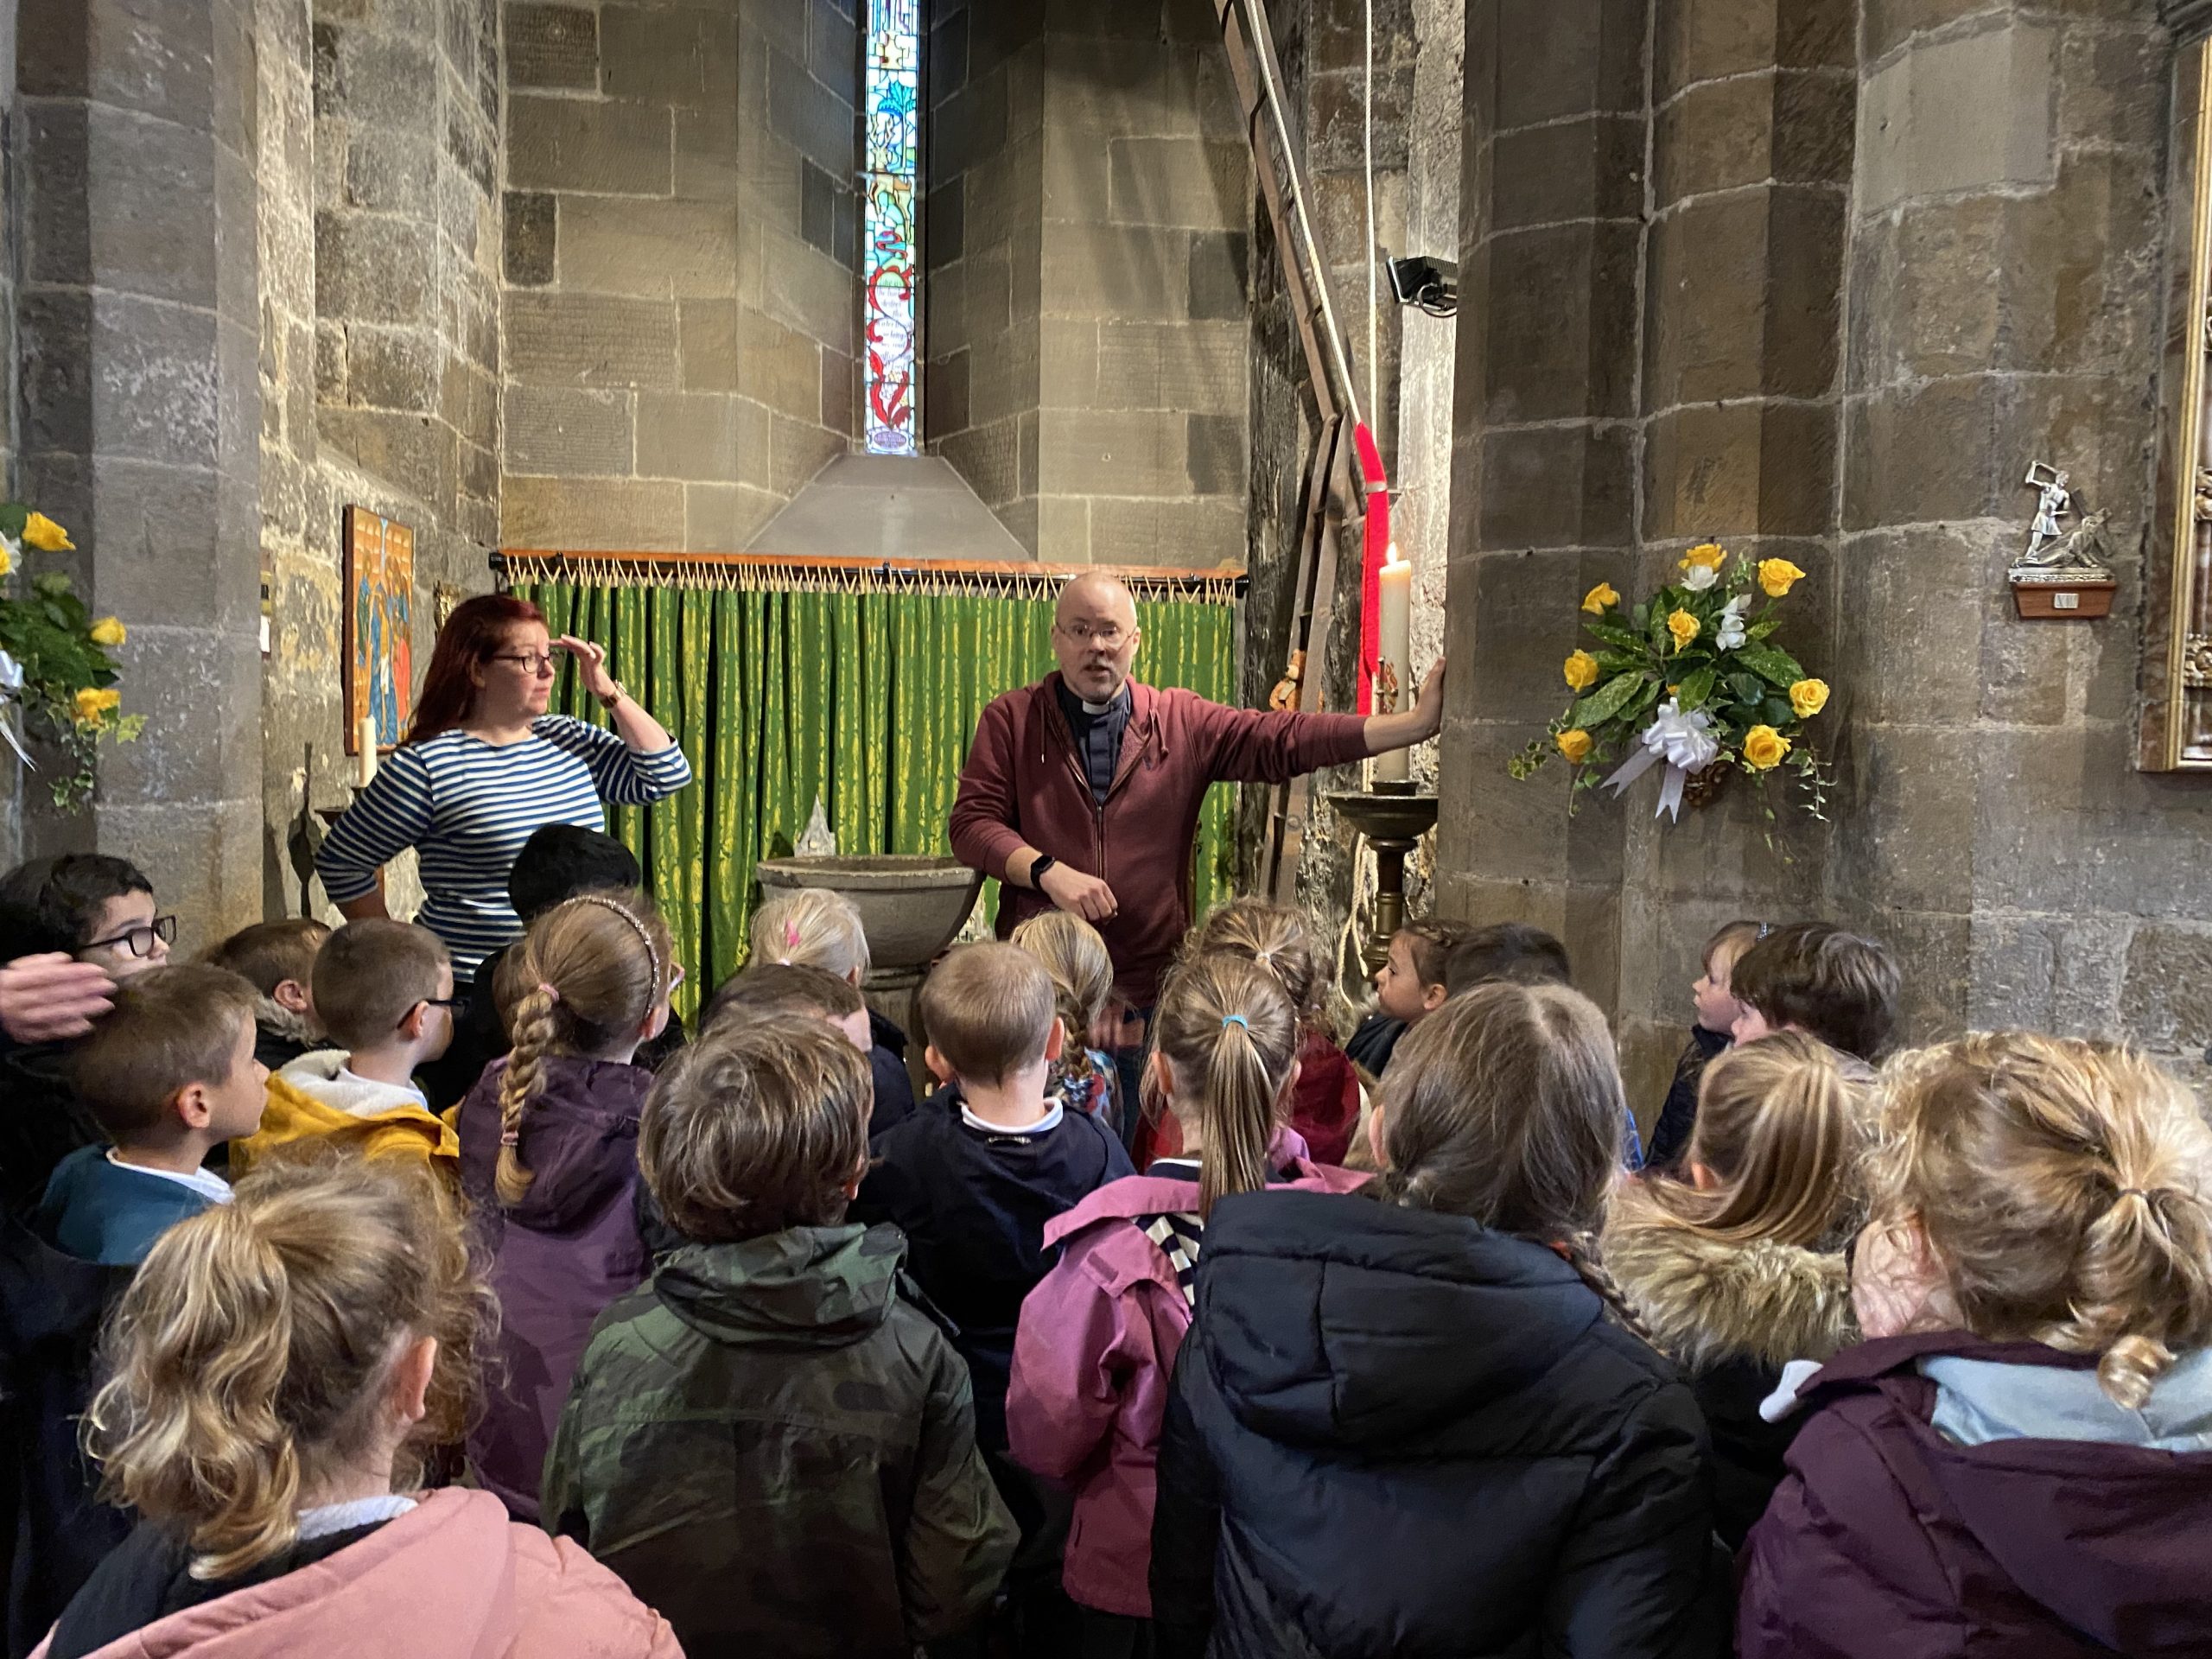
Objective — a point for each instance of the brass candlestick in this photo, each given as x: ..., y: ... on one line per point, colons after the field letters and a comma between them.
x: 1393, y: 818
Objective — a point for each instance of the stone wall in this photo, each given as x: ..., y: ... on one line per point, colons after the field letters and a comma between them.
x: 137, y: 312
x: 1821, y: 280
x: 1090, y: 214
x: 681, y: 267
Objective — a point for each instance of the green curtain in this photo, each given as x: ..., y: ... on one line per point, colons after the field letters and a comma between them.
x: 865, y: 700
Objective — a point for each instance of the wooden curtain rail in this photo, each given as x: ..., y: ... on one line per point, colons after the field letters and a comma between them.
x: 986, y: 569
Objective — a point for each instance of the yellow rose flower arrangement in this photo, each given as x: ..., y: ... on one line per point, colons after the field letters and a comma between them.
x: 1809, y: 697
x: 1764, y: 748
x: 1779, y: 576
x: 1689, y: 684
x: 57, y: 680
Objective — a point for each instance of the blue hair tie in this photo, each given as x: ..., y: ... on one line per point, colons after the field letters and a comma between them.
x: 1235, y: 1019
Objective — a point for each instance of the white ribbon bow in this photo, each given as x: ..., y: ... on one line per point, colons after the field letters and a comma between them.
x: 1684, y: 742
x: 11, y: 687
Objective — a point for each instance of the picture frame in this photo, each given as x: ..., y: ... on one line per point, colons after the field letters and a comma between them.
x: 376, y: 648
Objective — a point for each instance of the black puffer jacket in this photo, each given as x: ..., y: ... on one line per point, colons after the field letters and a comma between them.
x: 1395, y: 1432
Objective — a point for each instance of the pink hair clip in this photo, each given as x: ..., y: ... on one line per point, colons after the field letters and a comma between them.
x: 791, y: 936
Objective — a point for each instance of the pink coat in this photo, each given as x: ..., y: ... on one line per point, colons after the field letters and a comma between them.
x: 452, y: 1578
x: 1092, y: 1359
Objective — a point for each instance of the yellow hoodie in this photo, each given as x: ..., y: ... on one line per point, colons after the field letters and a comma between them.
x: 315, y: 1096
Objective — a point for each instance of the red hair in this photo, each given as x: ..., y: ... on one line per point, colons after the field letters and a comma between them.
x: 470, y: 637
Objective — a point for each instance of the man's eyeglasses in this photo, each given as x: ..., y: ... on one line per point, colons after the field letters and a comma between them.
x: 1112, y: 637
x: 456, y: 1005
x: 531, y: 662
x: 139, y: 940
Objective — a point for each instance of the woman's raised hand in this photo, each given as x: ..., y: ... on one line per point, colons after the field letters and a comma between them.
x: 591, y: 663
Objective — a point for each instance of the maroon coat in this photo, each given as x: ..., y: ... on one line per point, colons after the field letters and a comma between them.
x: 1024, y: 783
x: 1889, y: 1540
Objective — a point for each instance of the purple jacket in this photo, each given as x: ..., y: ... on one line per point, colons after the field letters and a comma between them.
x: 1092, y: 1359
x: 1891, y: 1537
x: 558, y: 1257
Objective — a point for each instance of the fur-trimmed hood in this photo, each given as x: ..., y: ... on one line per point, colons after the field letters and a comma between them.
x: 1707, y: 1300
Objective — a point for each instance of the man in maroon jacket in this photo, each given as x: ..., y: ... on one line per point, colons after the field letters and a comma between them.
x: 1082, y: 790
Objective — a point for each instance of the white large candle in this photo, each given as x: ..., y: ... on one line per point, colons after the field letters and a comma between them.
x: 1393, y: 692
x: 365, y: 761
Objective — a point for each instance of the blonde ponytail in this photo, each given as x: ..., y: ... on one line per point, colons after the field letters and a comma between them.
x: 591, y: 970
x: 249, y: 1359
x: 2066, y: 1189
x: 1228, y: 1028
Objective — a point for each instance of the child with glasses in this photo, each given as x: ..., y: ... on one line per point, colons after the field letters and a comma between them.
x: 383, y: 991
x: 549, y: 1159
x: 73, y: 914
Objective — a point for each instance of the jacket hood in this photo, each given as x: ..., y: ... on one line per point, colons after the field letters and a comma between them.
x: 579, y: 1138
x: 2084, y: 1514
x: 818, y: 1286
x: 322, y: 1076
x: 1345, y: 1321
x: 1707, y: 1300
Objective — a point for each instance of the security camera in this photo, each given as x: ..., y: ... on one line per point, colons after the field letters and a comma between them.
x: 1431, y: 285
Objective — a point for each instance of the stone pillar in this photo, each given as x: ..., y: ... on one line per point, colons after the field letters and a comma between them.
x: 1741, y: 397
x: 2006, y: 251
x: 138, y: 313
x: 1544, y: 467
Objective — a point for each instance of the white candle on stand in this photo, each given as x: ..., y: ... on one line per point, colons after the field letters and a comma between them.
x: 366, y: 761
x: 1393, y: 690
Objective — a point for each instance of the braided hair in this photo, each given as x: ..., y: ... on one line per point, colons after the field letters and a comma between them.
x: 1505, y: 1106
x: 591, y: 972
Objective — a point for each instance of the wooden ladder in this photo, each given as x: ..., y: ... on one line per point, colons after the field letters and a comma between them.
x: 1332, y: 504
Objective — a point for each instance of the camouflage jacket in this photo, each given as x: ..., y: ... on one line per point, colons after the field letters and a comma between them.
x: 778, y: 1452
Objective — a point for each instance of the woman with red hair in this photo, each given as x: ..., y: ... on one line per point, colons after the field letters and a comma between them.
x: 485, y: 767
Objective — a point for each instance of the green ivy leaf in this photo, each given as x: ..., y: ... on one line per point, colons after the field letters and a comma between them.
x: 14, y: 515
x: 1621, y: 662
x: 1777, y: 713
x: 1697, y: 689
x: 1607, y: 700
x: 1772, y: 664
x: 1759, y: 630
x: 1748, y: 687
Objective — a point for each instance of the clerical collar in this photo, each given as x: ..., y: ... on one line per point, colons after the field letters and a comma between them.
x: 1095, y: 709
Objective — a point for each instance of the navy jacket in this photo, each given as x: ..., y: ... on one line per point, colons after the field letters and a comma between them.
x: 973, y: 1205
x: 1395, y: 1432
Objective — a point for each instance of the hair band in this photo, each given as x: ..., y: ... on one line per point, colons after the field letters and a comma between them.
x: 652, y: 955
x: 1229, y: 1019
x: 2134, y: 1192
x: 511, y: 1138
x: 550, y: 991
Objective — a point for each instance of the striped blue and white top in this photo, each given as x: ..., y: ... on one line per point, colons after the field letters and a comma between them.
x: 467, y: 806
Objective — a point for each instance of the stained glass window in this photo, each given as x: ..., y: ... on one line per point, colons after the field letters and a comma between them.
x: 890, y: 266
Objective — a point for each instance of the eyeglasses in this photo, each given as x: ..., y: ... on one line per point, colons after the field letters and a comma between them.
x: 140, y: 940
x: 456, y: 1005
x: 531, y: 662
x: 1112, y: 637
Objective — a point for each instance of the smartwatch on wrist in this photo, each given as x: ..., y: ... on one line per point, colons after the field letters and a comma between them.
x: 1044, y: 862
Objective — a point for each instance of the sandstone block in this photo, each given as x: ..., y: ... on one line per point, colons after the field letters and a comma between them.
x: 552, y: 46
x: 600, y: 515
x: 722, y: 517
x: 562, y: 433
x: 707, y: 343
x: 989, y: 458
x: 706, y: 154
x: 2162, y: 1002
x: 1219, y: 284
x: 1555, y: 486
x: 371, y: 270
x: 797, y: 451
x: 662, y: 55
x: 392, y: 368
x: 1560, y: 327
x: 688, y: 434
x: 532, y: 220
x: 1184, y: 181
x: 803, y: 110
x: 157, y: 61
x: 1112, y: 452
x: 569, y: 143
x: 1590, y: 168
x: 1740, y: 469
x: 945, y: 392
x: 841, y: 394
x: 588, y: 340
x: 1970, y: 111
x: 1216, y: 455
x: 1137, y: 531
x: 650, y: 246
x: 1568, y: 57
x: 778, y: 366
x: 412, y: 454
x: 1711, y: 40
x: 1909, y: 620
